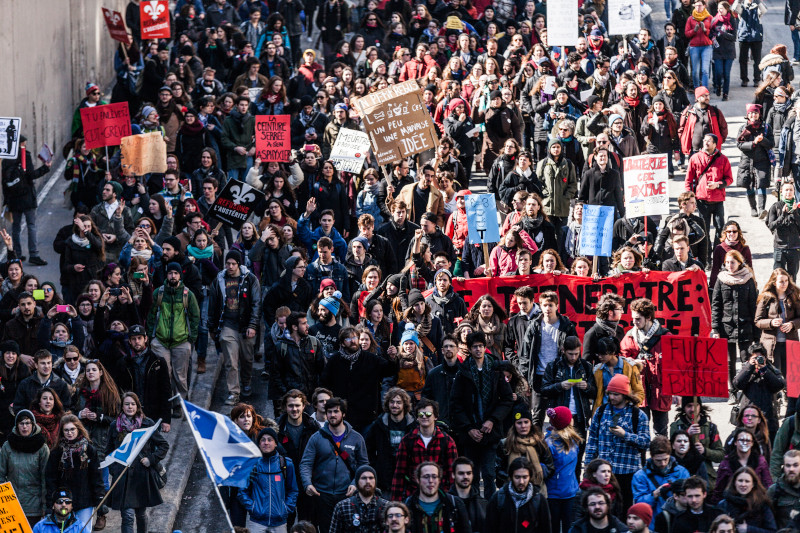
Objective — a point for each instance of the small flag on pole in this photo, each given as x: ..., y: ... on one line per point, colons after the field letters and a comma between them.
x: 131, y: 446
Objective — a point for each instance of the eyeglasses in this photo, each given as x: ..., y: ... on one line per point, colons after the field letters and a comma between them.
x: 70, y: 430
x: 64, y: 501
x: 425, y: 414
x: 70, y: 359
x: 396, y: 515
x: 744, y: 441
x: 144, y: 226
x: 95, y: 93
x: 734, y: 231
x: 47, y: 289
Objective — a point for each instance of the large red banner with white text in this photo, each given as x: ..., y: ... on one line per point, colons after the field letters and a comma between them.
x: 681, y: 298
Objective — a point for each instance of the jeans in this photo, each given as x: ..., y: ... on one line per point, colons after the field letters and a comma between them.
x: 255, y: 527
x: 16, y: 230
x: 238, y: 351
x: 202, y: 329
x: 701, y: 62
x: 787, y: 259
x: 709, y: 210
x: 754, y: 50
x: 669, y: 8
x: 240, y: 173
x: 796, y: 43
x: 722, y: 74
x: 561, y: 514
x: 141, y: 519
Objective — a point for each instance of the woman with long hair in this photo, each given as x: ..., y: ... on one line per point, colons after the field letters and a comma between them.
x: 48, y: 410
x: 192, y: 138
x: 208, y: 168
x: 733, y: 239
x: 626, y: 260
x: 524, y: 439
x: 503, y: 258
x: 97, y: 402
x: 489, y: 317
x: 23, y: 459
x: 753, y: 419
x: 245, y: 416
x: 598, y: 473
x: 550, y: 263
x: 755, y: 142
x: 12, y: 372
x: 660, y: 131
x: 413, y: 364
x: 745, y: 453
x: 723, y: 35
x: 562, y: 486
x: 536, y: 224
x: 778, y: 316
x: 745, y: 500
x: 733, y: 305
x: 376, y: 322
x: 84, y: 254
x: 269, y: 253
x: 697, y: 31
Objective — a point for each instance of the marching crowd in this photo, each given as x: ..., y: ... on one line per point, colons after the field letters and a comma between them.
x: 398, y: 406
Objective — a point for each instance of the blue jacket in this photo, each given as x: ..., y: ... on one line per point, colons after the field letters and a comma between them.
x: 750, y: 29
x: 327, y: 471
x: 563, y: 483
x: 265, y: 497
x: 48, y: 525
x: 309, y: 239
x: 647, y: 480
x: 316, y: 272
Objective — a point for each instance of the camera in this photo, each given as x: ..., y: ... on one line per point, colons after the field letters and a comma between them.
x: 114, y: 291
x: 760, y: 360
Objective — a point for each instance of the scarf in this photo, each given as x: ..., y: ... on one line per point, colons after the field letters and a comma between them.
x: 83, y: 242
x: 197, y: 253
x: 750, y: 131
x: 484, y: 385
x: 68, y: 451
x: 147, y: 253
x: 51, y: 425
x: 526, y: 447
x: 422, y: 324
x: 632, y: 102
x: 740, y: 277
x: 608, y: 489
x: 722, y: 22
x: 442, y: 300
x: 492, y: 331
x: 352, y: 357
x: 92, y: 397
x: 192, y: 130
x: 125, y: 424
x: 789, y: 202
x: 601, y: 79
x: 82, y: 162
x: 607, y: 326
x: 643, y: 337
x: 520, y: 499
x: 701, y: 16
x: 73, y: 374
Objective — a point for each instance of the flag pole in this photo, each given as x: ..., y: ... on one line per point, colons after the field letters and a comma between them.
x: 208, y: 468
x: 108, y: 493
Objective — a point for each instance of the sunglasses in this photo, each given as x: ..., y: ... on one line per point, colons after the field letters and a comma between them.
x: 70, y: 359
x: 64, y: 501
x: 95, y: 93
x: 425, y: 414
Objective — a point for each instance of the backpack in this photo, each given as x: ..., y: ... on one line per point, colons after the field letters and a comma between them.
x: 160, y: 298
x: 282, y: 464
x: 634, y: 415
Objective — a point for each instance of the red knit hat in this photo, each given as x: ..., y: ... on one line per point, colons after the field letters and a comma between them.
x: 560, y: 417
x: 620, y: 384
x: 643, y: 511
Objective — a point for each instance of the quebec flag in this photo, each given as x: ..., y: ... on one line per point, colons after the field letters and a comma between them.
x: 229, y: 453
x: 133, y: 443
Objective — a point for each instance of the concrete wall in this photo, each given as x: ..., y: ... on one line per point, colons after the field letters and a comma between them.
x: 49, y: 50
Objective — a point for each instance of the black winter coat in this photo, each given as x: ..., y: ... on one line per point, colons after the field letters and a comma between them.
x: 758, y: 388
x: 755, y: 168
x: 155, y: 391
x: 74, y: 254
x: 7, y: 393
x: 593, y: 336
x: 733, y: 310
x: 439, y: 386
x: 295, y: 453
x: 603, y: 187
x: 382, y: 456
x: 558, y: 371
x: 333, y: 195
x: 515, y: 332
x: 190, y: 275
x: 138, y: 486
x: 784, y: 225
x: 504, y: 515
x: 398, y: 239
x: 502, y: 166
x: 298, y: 366
x: 281, y: 293
x: 447, y: 309
x: 532, y: 344
x: 476, y: 507
x: 84, y: 480
x: 19, y: 191
x: 458, y: 131
x: 515, y: 182
x: 464, y: 406
x: 189, y: 146
x: 760, y: 520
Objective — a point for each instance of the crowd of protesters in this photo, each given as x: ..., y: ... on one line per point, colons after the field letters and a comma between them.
x: 398, y: 406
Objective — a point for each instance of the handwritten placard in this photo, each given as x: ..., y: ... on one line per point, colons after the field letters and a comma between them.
x: 105, y: 125
x: 273, y: 138
x: 482, y: 219
x: 12, y: 518
x: 350, y: 150
x: 597, y: 230
x: 143, y: 153
x: 694, y: 366
x: 646, y: 187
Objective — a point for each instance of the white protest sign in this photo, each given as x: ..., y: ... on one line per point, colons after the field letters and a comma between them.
x: 562, y: 22
x: 624, y: 17
x: 646, y: 187
x: 9, y: 137
x: 549, y: 85
x: 350, y: 150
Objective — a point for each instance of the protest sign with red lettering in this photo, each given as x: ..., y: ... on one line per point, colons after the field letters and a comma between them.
x: 681, y: 298
x: 694, y: 366
x: 105, y: 125
x: 235, y: 203
x: 792, y: 369
x: 273, y: 138
x: 646, y: 188
x: 154, y: 15
x: 116, y: 26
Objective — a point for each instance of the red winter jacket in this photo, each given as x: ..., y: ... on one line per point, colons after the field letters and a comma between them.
x: 718, y: 172
x: 719, y: 126
x: 698, y: 37
x: 654, y: 398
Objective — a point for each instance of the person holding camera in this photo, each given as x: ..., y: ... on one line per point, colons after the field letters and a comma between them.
x: 759, y: 380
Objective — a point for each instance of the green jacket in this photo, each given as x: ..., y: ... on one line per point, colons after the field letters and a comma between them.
x: 238, y: 131
x: 560, y: 185
x: 709, y: 437
x: 786, y: 438
x: 169, y: 322
x: 785, y: 499
x: 22, y: 462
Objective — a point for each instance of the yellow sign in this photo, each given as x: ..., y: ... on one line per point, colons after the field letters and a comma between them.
x: 12, y: 519
x: 143, y: 153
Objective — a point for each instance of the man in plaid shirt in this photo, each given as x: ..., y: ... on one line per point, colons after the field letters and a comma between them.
x: 425, y: 443
x: 363, y: 511
x: 619, y: 433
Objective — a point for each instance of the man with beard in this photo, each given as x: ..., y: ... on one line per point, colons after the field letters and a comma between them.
x: 432, y: 509
x: 639, y: 517
x: 445, y: 303
x: 363, y: 511
x: 295, y: 428
x: 439, y: 383
x: 619, y: 432
x: 174, y: 320
x: 299, y: 358
x: 112, y: 218
x: 327, y: 328
x: 330, y: 461
x: 671, y: 62
x: 432, y: 235
x: 651, y: 484
x: 596, y: 505
x: 423, y: 196
x: 785, y: 492
x: 383, y: 436
x: 379, y: 247
x: 699, y: 515
x: 171, y: 253
x: 396, y: 517
x: 518, y: 504
x: 238, y: 139
x: 355, y: 376
x: 467, y: 492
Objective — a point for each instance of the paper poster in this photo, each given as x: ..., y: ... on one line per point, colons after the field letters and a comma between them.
x: 350, y: 150
x: 562, y: 22
x: 646, y: 187
x: 482, y: 219
x: 254, y: 92
x: 9, y: 137
x: 273, y: 138
x: 105, y: 125
x: 144, y: 153
x: 155, y: 19
x: 115, y: 23
x: 549, y: 85
x: 624, y: 17
x: 694, y: 366
x: 235, y: 203
x: 597, y: 230
x: 12, y: 518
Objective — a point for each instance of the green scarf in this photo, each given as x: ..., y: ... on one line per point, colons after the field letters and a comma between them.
x: 789, y: 202
x: 197, y: 253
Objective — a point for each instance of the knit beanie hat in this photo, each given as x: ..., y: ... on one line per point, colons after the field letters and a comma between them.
x: 613, y: 118
x: 364, y: 468
x: 22, y: 415
x: 560, y: 417
x: 377, y: 63
x: 268, y: 431
x: 410, y: 334
x: 148, y: 109
x: 414, y: 297
x: 394, y: 280
x: 620, y: 384
x: 174, y: 267
x: 91, y: 87
x: 173, y: 241
x: 363, y: 240
x: 116, y: 187
x: 325, y: 283
x: 524, y: 412
x: 643, y: 511
x: 235, y: 255
x: 331, y: 303
x: 444, y: 272
x: 9, y: 346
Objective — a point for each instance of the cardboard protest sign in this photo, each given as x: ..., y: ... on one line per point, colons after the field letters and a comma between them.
x: 482, y: 219
x: 273, y: 138
x: 597, y: 230
x: 143, y: 153
x: 694, y: 366
x: 681, y: 298
x: 562, y: 22
x: 154, y: 15
x: 105, y: 125
x: 397, y: 121
x: 792, y: 369
x: 9, y: 137
x: 116, y: 26
x: 350, y: 150
x: 235, y: 203
x: 12, y: 518
x: 646, y: 187
x: 624, y: 17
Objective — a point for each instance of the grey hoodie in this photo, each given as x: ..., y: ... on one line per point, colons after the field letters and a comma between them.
x: 324, y: 469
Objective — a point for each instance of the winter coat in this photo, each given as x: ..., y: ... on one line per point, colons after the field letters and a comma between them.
x: 271, y: 494
x: 528, y: 354
x: 501, y: 124
x: 562, y: 483
x: 559, y: 185
x: 310, y: 237
x: 542, y: 232
x: 458, y: 131
x: 138, y: 486
x: 784, y: 225
x: 733, y: 309
x: 558, y: 371
x: 172, y: 323
x: 758, y: 388
x: 663, y: 137
x: 83, y: 479
x: 648, y: 479
x: 399, y: 238
x: 465, y: 406
x: 121, y: 227
x: 785, y: 500
x: 335, y: 270
x: 19, y: 189
x: 269, y: 261
x: 589, y: 125
x: 381, y: 448
x: 435, y: 203
x: 503, y: 261
x: 48, y: 524
x: 22, y: 462
x: 755, y: 168
x: 332, y: 195
x: 457, y: 229
x: 504, y: 515
x: 299, y: 366
x: 29, y: 387
x: 697, y: 32
x: 719, y: 172
x: 731, y: 464
x: 295, y: 453
x: 628, y: 369
x: 447, y: 308
x: 249, y: 301
x: 515, y: 182
x: 189, y: 146
x: 438, y: 387
x: 768, y: 309
x: 322, y: 467
x: 719, y: 126
x: 760, y: 520
x: 652, y: 375
x: 238, y: 130
x: 718, y: 257
x: 676, y: 101
x: 281, y: 293
x: 453, y: 513
x: 583, y: 526
x: 98, y: 428
x: 155, y: 390
x: 709, y: 437
x: 502, y: 167
x: 750, y: 29
x: 725, y: 37
x: 603, y: 187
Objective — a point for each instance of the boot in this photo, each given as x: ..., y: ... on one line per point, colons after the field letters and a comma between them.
x: 762, y: 203
x: 201, y: 366
x: 752, y: 199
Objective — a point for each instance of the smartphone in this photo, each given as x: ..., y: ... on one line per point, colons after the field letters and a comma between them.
x: 309, y: 147
x: 62, y: 309
x: 115, y: 291
x: 138, y: 275
x: 38, y: 294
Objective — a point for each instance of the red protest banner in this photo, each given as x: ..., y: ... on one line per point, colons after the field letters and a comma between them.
x: 116, y: 26
x: 105, y: 125
x: 154, y: 15
x: 681, y: 298
x: 792, y: 369
x: 694, y: 366
x: 273, y: 138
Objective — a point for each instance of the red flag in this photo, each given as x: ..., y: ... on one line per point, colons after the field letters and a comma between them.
x: 116, y: 26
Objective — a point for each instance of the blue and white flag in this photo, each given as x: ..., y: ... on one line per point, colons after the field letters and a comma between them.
x: 229, y: 452
x: 131, y: 446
